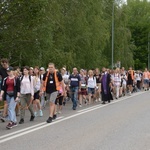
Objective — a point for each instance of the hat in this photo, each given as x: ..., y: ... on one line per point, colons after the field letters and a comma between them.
x: 64, y: 68
x: 9, y: 69
x: 31, y: 68
x: 42, y: 68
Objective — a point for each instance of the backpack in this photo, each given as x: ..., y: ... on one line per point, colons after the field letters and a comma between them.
x: 21, y: 78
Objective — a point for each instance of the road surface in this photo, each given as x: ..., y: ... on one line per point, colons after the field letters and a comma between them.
x: 123, y: 124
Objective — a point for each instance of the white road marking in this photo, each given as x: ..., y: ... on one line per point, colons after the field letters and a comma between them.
x: 88, y: 108
x: 28, y: 128
x: 112, y: 102
x: 58, y: 121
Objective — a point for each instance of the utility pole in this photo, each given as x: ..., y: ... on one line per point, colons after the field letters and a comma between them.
x: 112, y: 59
x: 148, y: 51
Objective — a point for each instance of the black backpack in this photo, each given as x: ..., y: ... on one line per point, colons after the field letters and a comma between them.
x: 21, y: 78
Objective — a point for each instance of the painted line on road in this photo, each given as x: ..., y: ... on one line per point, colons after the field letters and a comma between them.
x: 28, y: 128
x: 112, y: 102
x: 63, y: 119
x: 88, y: 108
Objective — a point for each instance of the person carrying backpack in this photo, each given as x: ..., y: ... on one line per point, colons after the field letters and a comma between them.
x: 26, y: 94
x: 52, y: 81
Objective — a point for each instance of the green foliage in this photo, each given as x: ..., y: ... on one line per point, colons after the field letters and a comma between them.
x: 73, y: 32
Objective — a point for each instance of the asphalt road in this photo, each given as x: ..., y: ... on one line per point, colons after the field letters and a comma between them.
x: 123, y: 124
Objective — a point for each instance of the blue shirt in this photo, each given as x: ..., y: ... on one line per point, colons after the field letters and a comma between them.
x: 74, y: 80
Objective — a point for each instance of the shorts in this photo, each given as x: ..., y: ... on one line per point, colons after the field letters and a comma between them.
x: 130, y: 82
x: 52, y: 97
x: 124, y: 86
x: 91, y: 90
x: 83, y: 92
x: 146, y: 81
x: 36, y: 95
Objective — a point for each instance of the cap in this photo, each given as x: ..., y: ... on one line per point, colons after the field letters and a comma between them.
x: 9, y: 69
x: 31, y: 68
x: 64, y: 68
x: 42, y: 68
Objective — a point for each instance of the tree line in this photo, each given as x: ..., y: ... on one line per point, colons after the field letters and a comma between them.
x: 74, y: 32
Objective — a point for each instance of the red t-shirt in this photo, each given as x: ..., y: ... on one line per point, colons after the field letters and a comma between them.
x: 10, y: 84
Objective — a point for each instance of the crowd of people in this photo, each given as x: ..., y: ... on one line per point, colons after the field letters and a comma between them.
x: 30, y: 88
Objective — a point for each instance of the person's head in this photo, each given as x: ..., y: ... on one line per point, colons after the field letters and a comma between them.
x: 123, y: 69
x: 97, y: 71
x: 10, y: 71
x: 146, y: 69
x: 117, y: 70
x: 103, y: 69
x: 75, y: 71
x: 16, y: 73
x: 111, y: 71
x: 5, y: 63
x: 36, y: 70
x: 26, y: 70
x: 42, y: 70
x: 31, y: 71
x: 90, y: 73
x: 63, y: 70
x: 82, y: 72
x: 130, y: 68
x: 51, y: 67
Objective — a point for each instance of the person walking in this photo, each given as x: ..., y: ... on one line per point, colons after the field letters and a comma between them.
x: 75, y: 87
x: 52, y: 80
x: 26, y: 94
x: 130, y: 79
x: 146, y: 75
x: 11, y: 92
x: 105, y: 86
x: 3, y: 72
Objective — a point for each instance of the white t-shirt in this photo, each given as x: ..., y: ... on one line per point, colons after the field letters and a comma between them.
x: 65, y: 78
x: 91, y: 83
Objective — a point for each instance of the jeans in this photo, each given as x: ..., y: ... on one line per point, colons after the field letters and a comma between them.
x: 74, y: 96
x: 11, y: 108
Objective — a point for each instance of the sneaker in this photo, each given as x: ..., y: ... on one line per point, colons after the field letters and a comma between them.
x: 15, y: 124
x: 59, y: 112
x: 35, y: 114
x: 49, y: 120
x: 21, y: 121
x: 9, y: 125
x: 54, y: 117
x: 40, y: 113
x: 74, y: 108
x: 2, y: 119
x: 32, y: 118
x: 85, y: 102
x: 103, y: 102
x: 80, y: 105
